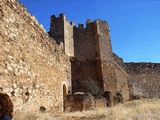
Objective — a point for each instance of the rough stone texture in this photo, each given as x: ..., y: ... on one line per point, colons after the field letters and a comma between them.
x: 79, y: 102
x: 122, y: 82
x: 62, y: 32
x: 33, y: 68
x: 83, y: 71
x: 119, y: 61
x: 145, y: 78
x: 84, y: 40
x: 40, y: 71
x: 92, y: 58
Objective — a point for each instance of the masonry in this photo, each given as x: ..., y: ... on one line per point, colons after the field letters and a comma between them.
x: 33, y: 68
x: 91, y: 55
x: 145, y: 78
x: 40, y: 69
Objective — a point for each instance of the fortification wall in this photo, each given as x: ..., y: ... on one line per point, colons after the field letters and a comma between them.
x: 62, y: 31
x: 104, y: 47
x: 33, y: 68
x: 68, y: 38
x: 122, y: 82
x: 109, y: 78
x: 92, y: 45
x: 104, y: 56
x: 145, y: 78
x: 84, y: 73
x: 119, y: 61
x: 84, y: 41
x: 57, y: 28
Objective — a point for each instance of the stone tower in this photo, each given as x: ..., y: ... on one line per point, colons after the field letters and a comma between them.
x: 91, y: 49
x: 62, y: 32
x: 105, y: 56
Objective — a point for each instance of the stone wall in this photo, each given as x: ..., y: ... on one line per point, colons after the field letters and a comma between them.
x: 104, y: 56
x: 122, y: 82
x: 62, y: 31
x: 85, y: 77
x: 33, y: 68
x: 37, y: 69
x: 68, y: 37
x: 103, y: 41
x: 145, y: 78
x: 119, y: 61
x: 84, y: 41
x: 57, y: 28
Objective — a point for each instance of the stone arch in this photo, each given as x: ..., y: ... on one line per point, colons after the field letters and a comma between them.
x: 64, y: 95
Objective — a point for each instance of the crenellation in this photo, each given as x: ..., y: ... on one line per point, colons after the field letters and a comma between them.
x: 27, y: 53
x: 88, y: 21
x: 42, y: 69
x: 81, y: 26
x: 72, y: 23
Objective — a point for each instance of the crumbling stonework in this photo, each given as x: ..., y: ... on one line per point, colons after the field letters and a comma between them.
x: 33, y: 68
x: 41, y: 70
x: 145, y: 78
x: 93, y: 57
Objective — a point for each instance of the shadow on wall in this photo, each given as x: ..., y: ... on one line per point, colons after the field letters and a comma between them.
x: 90, y: 86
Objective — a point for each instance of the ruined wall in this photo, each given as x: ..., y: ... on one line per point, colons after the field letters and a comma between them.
x: 104, y: 56
x: 104, y: 47
x: 68, y: 37
x: 84, y: 41
x: 57, y: 28
x: 95, y: 61
x: 145, y: 78
x: 90, y: 54
x: 84, y: 77
x: 109, y: 78
x: 33, y: 68
x: 122, y: 82
x: 62, y: 31
x: 122, y: 77
x: 84, y: 67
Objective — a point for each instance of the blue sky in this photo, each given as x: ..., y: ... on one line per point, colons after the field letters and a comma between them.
x: 134, y: 24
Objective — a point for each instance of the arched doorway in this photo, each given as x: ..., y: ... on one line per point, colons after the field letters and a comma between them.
x: 64, y: 96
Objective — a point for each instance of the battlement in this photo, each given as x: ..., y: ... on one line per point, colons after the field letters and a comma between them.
x: 62, y: 18
x: 79, y: 39
x: 89, y: 22
x: 40, y: 70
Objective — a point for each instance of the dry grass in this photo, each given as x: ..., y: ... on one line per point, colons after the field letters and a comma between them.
x: 145, y: 109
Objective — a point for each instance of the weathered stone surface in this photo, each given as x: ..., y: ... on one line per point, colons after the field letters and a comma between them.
x: 33, y: 66
x: 91, y: 55
x: 145, y: 78
x: 40, y: 70
x: 79, y: 102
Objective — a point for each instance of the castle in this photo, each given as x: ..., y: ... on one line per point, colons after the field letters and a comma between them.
x: 41, y: 69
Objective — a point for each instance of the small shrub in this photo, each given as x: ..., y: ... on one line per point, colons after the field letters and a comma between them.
x: 92, y: 87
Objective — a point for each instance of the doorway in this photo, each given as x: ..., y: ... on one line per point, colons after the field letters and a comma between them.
x: 64, y: 96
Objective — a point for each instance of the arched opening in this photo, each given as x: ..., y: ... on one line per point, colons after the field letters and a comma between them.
x: 64, y: 96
